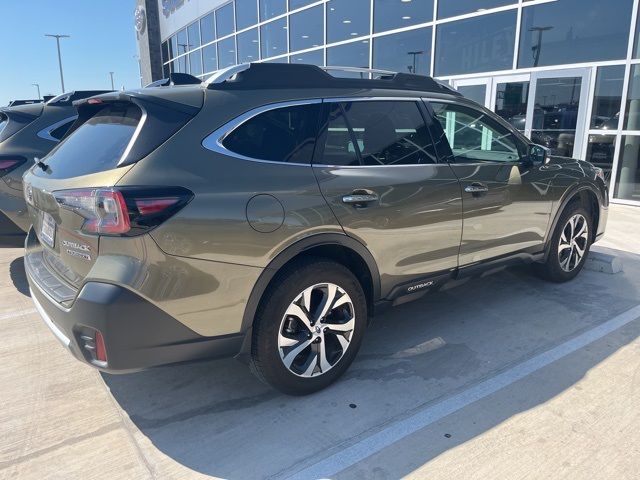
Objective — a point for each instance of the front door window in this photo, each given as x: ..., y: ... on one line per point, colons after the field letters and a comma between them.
x: 511, y: 102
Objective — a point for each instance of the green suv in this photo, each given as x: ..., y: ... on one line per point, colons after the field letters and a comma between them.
x: 271, y: 211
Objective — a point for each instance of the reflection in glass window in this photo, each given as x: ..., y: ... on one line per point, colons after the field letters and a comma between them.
x: 512, y: 99
x: 183, y: 43
x: 477, y: 93
x: 389, y: 133
x: 315, y: 57
x: 277, y: 60
x: 573, y: 31
x: 628, y: 176
x: 273, y: 38
x: 636, y: 47
x: 181, y: 64
x: 248, y: 50
x: 280, y: 135
x: 600, y: 152
x: 347, y: 19
x: 608, y: 98
x: 224, y: 21
x: 272, y: 8
x: 479, y: 44
x: 246, y: 13
x: 207, y: 29
x: 209, y: 59
x: 632, y: 115
x: 408, y: 52
x: 392, y: 14
x: 195, y: 62
x: 306, y: 29
x: 165, y: 51
x: 451, y: 8
x: 173, y: 46
x: 337, y: 139
x: 293, y: 4
x: 227, y: 52
x: 166, y: 71
x: 193, y: 33
x: 355, y: 54
x: 474, y: 136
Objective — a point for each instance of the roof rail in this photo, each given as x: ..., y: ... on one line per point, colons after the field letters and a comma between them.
x: 175, y: 78
x: 252, y: 76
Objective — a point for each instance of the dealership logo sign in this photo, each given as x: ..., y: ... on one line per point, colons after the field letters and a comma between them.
x: 170, y: 6
x: 140, y: 16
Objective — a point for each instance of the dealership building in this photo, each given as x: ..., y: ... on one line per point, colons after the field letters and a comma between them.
x: 564, y: 72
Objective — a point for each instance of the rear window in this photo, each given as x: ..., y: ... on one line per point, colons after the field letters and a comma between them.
x: 97, y: 145
x: 3, y: 121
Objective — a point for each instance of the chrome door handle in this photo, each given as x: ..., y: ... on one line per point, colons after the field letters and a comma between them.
x: 476, y: 188
x: 360, y: 199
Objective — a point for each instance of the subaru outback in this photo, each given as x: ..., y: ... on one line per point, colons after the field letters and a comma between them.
x: 268, y: 213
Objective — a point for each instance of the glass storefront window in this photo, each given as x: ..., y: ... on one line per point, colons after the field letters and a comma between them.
x: 477, y: 93
x: 207, y: 29
x: 628, y: 175
x: 391, y: 14
x: 347, y: 19
x: 248, y: 50
x: 182, y: 42
x: 451, y: 8
x: 316, y: 57
x: 636, y: 47
x: 608, y: 98
x: 227, y: 52
x: 166, y: 70
x: 193, y: 33
x: 173, y: 47
x: 273, y: 38
x: 165, y: 51
x: 355, y: 54
x: 306, y: 29
x: 573, y: 31
x: 180, y: 65
x: 272, y: 8
x: 209, y: 59
x: 293, y: 4
x: 479, y: 44
x: 224, y: 21
x: 408, y: 52
x: 246, y: 13
x: 632, y: 114
x: 600, y: 152
x: 511, y: 102
x: 195, y: 62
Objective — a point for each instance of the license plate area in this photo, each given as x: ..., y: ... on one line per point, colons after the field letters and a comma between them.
x: 48, y: 230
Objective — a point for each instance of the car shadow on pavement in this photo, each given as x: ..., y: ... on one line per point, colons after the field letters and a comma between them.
x: 19, y: 277
x: 215, y: 418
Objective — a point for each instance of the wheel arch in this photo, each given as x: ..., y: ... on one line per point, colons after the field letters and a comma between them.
x: 339, y: 247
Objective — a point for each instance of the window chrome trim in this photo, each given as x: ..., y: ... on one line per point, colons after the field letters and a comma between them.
x: 214, y: 140
x: 135, y: 136
x: 45, y: 133
x: 371, y: 99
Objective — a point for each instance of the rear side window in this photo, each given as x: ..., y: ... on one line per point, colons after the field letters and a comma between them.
x: 476, y: 137
x: 3, y: 121
x: 377, y: 133
x: 97, y: 145
x: 281, y: 135
x: 59, y: 132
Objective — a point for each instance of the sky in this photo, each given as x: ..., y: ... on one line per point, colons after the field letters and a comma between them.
x: 103, y: 39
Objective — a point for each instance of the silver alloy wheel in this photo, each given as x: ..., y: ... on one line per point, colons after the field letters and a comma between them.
x: 316, y: 330
x: 573, y: 242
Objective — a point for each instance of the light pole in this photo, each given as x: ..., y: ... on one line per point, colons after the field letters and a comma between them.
x: 58, y: 37
x: 414, y: 55
x: 37, y: 85
x: 538, y: 46
x: 111, y: 75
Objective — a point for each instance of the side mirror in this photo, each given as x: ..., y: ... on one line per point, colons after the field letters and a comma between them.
x: 538, y: 155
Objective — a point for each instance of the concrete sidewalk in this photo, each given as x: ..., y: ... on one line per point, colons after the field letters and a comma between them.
x: 572, y: 416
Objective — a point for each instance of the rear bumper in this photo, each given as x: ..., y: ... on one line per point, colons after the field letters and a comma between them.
x: 136, y: 333
x: 14, y: 208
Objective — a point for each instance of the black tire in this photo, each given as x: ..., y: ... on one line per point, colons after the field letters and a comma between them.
x: 552, y: 269
x: 266, y: 361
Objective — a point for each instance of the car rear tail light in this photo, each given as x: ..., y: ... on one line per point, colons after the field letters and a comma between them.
x: 124, y: 211
x: 101, y: 351
x: 10, y: 163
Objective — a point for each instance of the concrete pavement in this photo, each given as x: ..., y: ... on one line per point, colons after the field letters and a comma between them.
x: 572, y: 416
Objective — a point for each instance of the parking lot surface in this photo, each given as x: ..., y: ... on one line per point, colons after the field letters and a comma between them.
x: 504, y: 376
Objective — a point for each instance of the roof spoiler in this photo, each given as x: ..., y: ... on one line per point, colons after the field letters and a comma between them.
x: 67, y: 99
x: 283, y: 75
x: 175, y: 79
x: 17, y: 121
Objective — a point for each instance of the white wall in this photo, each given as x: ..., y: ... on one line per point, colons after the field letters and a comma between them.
x: 182, y: 13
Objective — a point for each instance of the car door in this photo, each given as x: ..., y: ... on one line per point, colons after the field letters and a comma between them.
x: 507, y: 199
x: 377, y: 168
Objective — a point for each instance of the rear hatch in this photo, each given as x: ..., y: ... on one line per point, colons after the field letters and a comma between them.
x: 71, y: 194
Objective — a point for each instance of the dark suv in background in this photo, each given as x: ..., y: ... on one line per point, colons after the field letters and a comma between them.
x: 28, y: 132
x: 269, y: 212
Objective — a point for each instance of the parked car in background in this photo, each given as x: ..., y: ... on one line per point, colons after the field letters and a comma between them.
x: 269, y: 212
x: 28, y: 132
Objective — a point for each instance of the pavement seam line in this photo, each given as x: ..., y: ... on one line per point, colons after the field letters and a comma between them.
x: 368, y: 446
x: 26, y: 311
